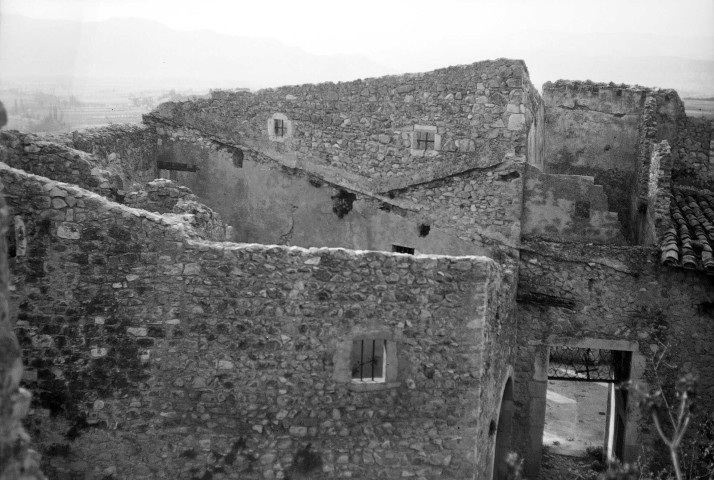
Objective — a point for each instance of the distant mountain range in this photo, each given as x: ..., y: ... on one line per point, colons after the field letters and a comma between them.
x: 145, y: 52
x: 653, y: 60
x: 689, y: 77
x: 137, y: 52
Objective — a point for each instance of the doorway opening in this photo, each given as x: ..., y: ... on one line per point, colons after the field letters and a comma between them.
x: 585, y: 412
x: 503, y: 433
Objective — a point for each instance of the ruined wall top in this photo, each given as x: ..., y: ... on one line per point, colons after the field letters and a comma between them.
x: 610, y: 97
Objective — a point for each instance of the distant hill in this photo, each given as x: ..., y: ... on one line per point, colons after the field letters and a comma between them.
x: 135, y: 53
x: 690, y: 77
x: 138, y: 51
x: 653, y: 60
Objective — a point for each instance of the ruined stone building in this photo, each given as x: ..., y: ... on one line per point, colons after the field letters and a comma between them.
x: 355, y: 280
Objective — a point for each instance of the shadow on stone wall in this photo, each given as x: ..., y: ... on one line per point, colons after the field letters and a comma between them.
x: 17, y: 459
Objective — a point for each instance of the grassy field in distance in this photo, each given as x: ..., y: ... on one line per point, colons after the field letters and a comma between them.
x: 699, y: 108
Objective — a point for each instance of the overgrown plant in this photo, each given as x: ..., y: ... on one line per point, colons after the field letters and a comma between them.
x: 654, y: 405
x: 671, y: 422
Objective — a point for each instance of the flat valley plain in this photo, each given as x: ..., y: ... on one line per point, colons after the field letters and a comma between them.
x: 698, y: 107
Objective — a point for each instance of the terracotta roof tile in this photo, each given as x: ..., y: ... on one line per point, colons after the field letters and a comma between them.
x: 689, y: 242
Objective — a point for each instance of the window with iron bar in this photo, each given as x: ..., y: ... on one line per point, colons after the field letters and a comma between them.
x: 279, y: 126
x: 369, y: 360
x: 425, y: 140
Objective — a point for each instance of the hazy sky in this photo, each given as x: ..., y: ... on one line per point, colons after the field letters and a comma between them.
x: 368, y: 26
x: 601, y: 40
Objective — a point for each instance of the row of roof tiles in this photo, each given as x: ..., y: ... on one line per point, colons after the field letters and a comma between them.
x: 689, y: 241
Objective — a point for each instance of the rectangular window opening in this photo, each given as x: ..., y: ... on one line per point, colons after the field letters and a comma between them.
x: 401, y: 249
x: 582, y: 209
x: 425, y: 140
x: 369, y: 360
x: 279, y: 126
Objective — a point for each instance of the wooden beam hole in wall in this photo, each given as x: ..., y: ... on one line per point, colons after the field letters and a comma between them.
x: 182, y: 167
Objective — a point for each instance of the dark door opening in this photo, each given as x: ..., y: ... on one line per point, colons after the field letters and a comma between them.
x: 585, y: 412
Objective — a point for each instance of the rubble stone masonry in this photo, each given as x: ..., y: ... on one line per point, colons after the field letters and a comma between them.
x: 156, y: 356
x: 357, y: 139
x: 59, y: 162
x: 598, y: 130
x: 694, y: 154
x: 614, y: 293
x: 126, y: 149
x: 478, y: 113
x: 154, y: 349
x: 17, y: 459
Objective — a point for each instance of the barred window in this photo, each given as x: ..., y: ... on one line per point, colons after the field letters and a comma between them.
x: 279, y: 127
x: 425, y: 140
x: 369, y: 360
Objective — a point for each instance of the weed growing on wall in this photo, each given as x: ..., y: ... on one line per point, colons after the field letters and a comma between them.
x: 342, y: 203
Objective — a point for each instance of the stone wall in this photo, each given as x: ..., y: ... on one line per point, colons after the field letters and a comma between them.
x: 592, y: 129
x: 498, y: 358
x: 127, y: 150
x: 620, y: 295
x: 568, y: 208
x: 694, y: 154
x: 482, y: 206
x: 160, y: 195
x: 203, y: 221
x: 17, y: 458
x: 58, y: 162
x: 478, y: 113
x: 650, y: 198
x: 61, y: 163
x: 155, y: 356
x: 357, y: 139
x: 477, y: 212
x: 640, y: 210
x: 655, y: 218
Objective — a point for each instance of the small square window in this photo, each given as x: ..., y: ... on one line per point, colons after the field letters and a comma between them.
x: 425, y: 140
x: 369, y: 361
x: 400, y: 249
x: 582, y: 209
x: 279, y: 127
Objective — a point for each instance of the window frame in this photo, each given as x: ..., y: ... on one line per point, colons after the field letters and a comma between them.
x: 279, y: 128
x: 425, y: 141
x: 375, y: 341
x: 283, y: 133
x: 342, y: 360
